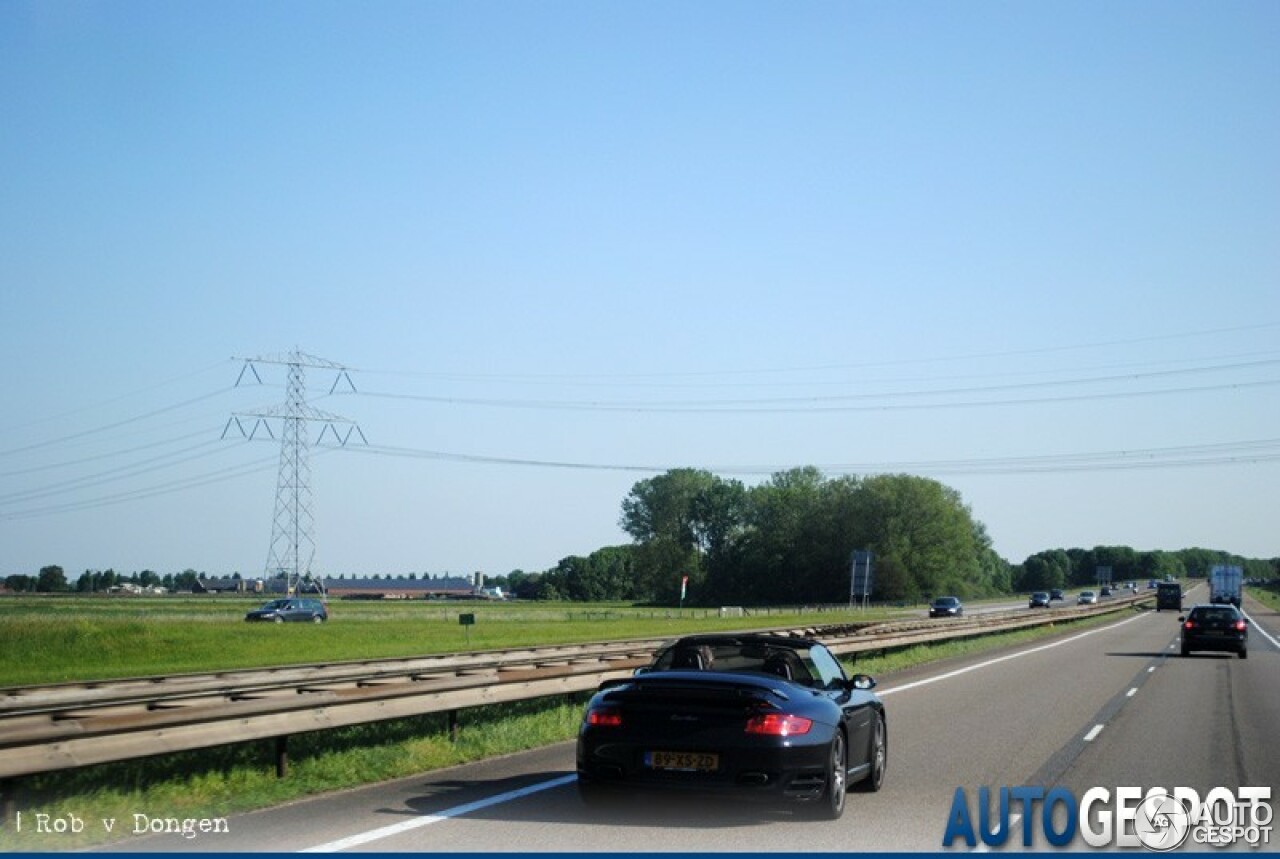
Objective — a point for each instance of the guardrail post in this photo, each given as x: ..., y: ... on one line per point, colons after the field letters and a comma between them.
x: 8, y: 801
x: 282, y: 756
x: 453, y: 726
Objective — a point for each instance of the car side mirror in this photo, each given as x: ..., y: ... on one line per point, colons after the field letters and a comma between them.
x: 644, y: 669
x: 1181, y: 618
x: 862, y: 682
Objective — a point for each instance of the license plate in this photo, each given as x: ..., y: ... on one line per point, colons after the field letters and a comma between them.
x: 683, y: 761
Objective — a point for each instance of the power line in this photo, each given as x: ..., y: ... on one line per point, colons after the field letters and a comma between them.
x: 113, y: 425
x: 942, y: 359
x: 865, y: 402
x: 173, y: 486
x: 103, y: 403
x: 130, y: 470
x: 1227, y: 453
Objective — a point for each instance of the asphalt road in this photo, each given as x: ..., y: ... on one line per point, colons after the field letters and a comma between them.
x: 1109, y: 707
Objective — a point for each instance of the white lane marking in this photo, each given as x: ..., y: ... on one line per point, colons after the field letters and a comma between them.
x: 1093, y: 733
x: 428, y: 819
x: 1131, y: 692
x: 1006, y: 658
x: 1151, y: 670
x: 1014, y: 819
x: 1261, y: 631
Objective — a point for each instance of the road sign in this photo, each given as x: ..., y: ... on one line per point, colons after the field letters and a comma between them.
x: 860, y: 577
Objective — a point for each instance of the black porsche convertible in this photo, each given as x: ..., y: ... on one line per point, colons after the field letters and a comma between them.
x: 752, y: 715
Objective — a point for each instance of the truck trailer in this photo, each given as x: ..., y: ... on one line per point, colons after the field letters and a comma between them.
x: 1225, y: 583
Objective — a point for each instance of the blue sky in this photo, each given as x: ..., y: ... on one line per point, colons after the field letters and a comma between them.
x: 974, y: 241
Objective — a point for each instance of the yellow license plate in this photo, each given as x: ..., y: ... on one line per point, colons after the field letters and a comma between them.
x: 685, y: 761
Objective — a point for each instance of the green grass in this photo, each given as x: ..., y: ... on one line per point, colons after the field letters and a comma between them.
x: 70, y: 639
x: 1268, y: 595
x: 225, y: 780
x: 229, y: 779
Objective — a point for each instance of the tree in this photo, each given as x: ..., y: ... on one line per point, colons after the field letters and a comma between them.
x: 1044, y: 571
x: 20, y: 584
x: 925, y: 532
x: 51, y: 580
x: 682, y: 519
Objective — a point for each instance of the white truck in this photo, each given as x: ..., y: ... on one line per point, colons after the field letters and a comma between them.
x: 1225, y: 583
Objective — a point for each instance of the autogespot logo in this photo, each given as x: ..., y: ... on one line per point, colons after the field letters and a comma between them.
x: 1157, y: 819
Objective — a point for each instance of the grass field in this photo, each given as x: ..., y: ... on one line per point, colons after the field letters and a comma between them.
x: 59, y: 639
x: 1269, y: 595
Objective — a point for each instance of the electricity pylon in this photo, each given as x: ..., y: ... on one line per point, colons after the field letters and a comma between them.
x: 293, y: 544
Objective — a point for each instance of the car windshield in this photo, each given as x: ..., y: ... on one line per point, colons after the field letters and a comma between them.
x: 946, y: 602
x: 1213, y: 615
x: 738, y: 658
x: 275, y: 605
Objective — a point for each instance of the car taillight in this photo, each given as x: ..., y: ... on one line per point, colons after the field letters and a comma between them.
x: 604, y: 717
x: 1239, y: 626
x: 776, y: 725
x: 1191, y: 624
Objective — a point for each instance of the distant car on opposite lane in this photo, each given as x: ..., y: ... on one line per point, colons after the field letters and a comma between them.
x: 946, y: 607
x: 1056, y: 594
x: 290, y: 610
x: 1039, y: 599
x: 1087, y: 598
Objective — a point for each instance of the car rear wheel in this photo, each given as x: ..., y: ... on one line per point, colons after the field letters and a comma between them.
x: 1244, y: 654
x: 1186, y: 651
x: 317, y: 619
x: 831, y: 804
x: 279, y: 619
x: 879, y: 758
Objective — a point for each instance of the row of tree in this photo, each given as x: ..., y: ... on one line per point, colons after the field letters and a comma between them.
x: 789, y: 540
x: 1063, y: 568
x: 53, y: 579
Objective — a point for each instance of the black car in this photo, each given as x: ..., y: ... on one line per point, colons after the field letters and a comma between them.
x: 758, y: 716
x: 1039, y: 599
x: 1215, y: 627
x: 946, y: 607
x: 293, y: 609
x: 1168, y: 595
x: 1056, y: 594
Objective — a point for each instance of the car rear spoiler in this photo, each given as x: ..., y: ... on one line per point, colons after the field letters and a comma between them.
x: 742, y: 686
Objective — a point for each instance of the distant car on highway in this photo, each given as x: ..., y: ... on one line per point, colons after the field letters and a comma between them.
x: 759, y: 716
x: 1056, y: 594
x: 946, y: 607
x: 1086, y: 598
x: 1215, y: 627
x: 1169, y: 595
x: 1039, y: 599
x: 290, y: 610
x: 1106, y: 591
